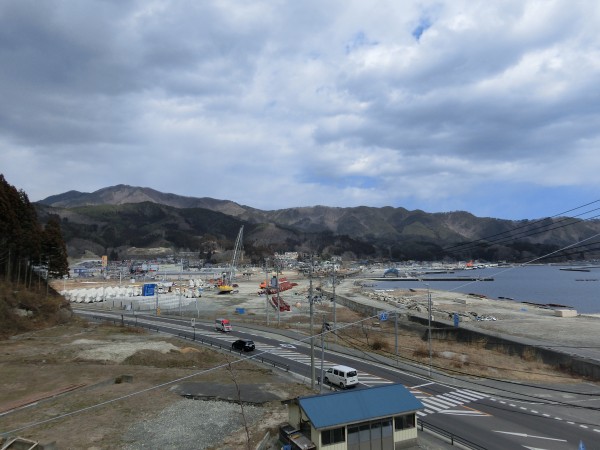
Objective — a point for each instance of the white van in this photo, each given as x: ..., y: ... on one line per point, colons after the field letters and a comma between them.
x: 342, y: 376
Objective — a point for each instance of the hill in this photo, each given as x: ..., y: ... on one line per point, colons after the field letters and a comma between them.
x: 118, y: 217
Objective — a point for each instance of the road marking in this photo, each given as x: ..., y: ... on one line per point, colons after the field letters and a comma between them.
x: 429, y: 404
x: 530, y: 436
x: 421, y: 385
x: 467, y: 394
x: 458, y: 412
x: 445, y: 403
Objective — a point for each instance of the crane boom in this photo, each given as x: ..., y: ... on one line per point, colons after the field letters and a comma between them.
x: 237, y: 250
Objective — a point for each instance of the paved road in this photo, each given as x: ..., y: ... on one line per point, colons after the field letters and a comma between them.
x: 489, y: 414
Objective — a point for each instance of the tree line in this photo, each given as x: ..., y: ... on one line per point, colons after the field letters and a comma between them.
x: 28, y: 249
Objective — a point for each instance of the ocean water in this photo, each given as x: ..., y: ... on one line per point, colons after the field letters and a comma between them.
x: 542, y: 284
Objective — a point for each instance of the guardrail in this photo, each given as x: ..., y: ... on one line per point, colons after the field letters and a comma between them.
x: 193, y: 337
x: 452, y: 439
x: 126, y: 322
x: 186, y: 335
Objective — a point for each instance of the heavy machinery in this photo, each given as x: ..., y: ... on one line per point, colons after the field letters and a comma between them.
x: 226, y: 282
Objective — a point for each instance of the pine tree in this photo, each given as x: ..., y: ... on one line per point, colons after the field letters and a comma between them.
x: 19, y: 231
x: 54, y: 250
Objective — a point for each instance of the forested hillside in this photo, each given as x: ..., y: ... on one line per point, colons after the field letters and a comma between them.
x: 29, y: 253
x: 114, y: 219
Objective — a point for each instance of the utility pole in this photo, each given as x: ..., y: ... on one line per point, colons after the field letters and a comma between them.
x: 156, y: 293
x: 396, y: 332
x: 334, y: 319
x: 312, y: 335
x: 429, y: 325
x: 180, y: 285
x: 267, y: 291
x: 278, y: 298
x: 322, y: 354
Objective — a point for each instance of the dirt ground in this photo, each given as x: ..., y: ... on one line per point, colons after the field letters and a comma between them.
x: 86, y: 386
x: 114, y: 378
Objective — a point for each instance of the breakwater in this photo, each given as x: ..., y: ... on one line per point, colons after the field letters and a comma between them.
x: 426, y: 279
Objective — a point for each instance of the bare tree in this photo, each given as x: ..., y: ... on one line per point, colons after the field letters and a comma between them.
x: 239, y: 398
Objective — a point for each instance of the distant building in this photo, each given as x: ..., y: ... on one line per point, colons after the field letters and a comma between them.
x: 379, y: 418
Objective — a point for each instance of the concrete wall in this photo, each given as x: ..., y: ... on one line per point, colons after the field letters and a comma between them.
x: 562, y: 361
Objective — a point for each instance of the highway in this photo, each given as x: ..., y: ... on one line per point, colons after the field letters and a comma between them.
x: 482, y: 414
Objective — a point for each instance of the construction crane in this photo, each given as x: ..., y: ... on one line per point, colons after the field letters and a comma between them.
x: 225, y: 286
x: 237, y: 250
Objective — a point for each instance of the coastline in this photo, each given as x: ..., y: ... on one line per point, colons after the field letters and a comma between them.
x: 576, y: 335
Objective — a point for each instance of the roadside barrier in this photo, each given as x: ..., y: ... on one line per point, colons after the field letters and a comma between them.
x: 200, y: 339
x: 186, y: 335
x: 451, y: 438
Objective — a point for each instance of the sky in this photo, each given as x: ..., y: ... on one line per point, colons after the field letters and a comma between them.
x: 487, y: 107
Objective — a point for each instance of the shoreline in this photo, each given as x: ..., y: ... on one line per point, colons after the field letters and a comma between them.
x: 512, y: 317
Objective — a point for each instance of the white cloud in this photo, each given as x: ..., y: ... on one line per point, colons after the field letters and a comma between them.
x: 414, y: 104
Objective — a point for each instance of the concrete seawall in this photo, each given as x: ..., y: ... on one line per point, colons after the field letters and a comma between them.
x: 570, y: 362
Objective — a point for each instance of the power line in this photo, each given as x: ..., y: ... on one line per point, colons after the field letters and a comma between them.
x: 527, y: 233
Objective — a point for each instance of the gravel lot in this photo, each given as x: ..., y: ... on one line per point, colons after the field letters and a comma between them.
x: 191, y: 424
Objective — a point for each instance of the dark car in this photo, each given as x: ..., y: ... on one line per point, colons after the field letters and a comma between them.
x: 245, y: 345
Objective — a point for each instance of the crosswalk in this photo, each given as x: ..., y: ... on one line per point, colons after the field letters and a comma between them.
x: 450, y: 403
x: 287, y: 351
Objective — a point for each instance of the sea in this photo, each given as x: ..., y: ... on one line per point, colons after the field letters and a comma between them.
x: 540, y: 284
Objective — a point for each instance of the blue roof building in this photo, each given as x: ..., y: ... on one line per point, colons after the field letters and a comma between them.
x: 383, y: 417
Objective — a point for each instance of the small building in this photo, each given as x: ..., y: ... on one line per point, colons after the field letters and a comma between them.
x: 378, y: 418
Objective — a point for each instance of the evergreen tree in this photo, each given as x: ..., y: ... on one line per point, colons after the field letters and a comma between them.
x: 19, y: 231
x: 54, y: 249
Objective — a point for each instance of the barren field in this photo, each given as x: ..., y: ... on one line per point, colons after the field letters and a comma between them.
x: 89, y: 386
x: 104, y: 387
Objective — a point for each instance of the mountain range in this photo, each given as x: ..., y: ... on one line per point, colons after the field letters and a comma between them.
x: 118, y: 219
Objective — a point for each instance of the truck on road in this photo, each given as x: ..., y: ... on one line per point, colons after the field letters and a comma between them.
x: 223, y: 325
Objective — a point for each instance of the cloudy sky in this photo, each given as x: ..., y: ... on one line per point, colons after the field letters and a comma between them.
x: 488, y: 107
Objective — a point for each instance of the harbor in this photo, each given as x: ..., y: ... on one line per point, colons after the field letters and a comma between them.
x: 426, y: 279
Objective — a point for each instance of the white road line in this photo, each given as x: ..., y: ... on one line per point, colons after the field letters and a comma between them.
x: 474, y: 395
x: 462, y: 412
x: 431, y: 405
x: 422, y: 385
x: 452, y: 396
x: 443, y: 401
x: 529, y: 436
